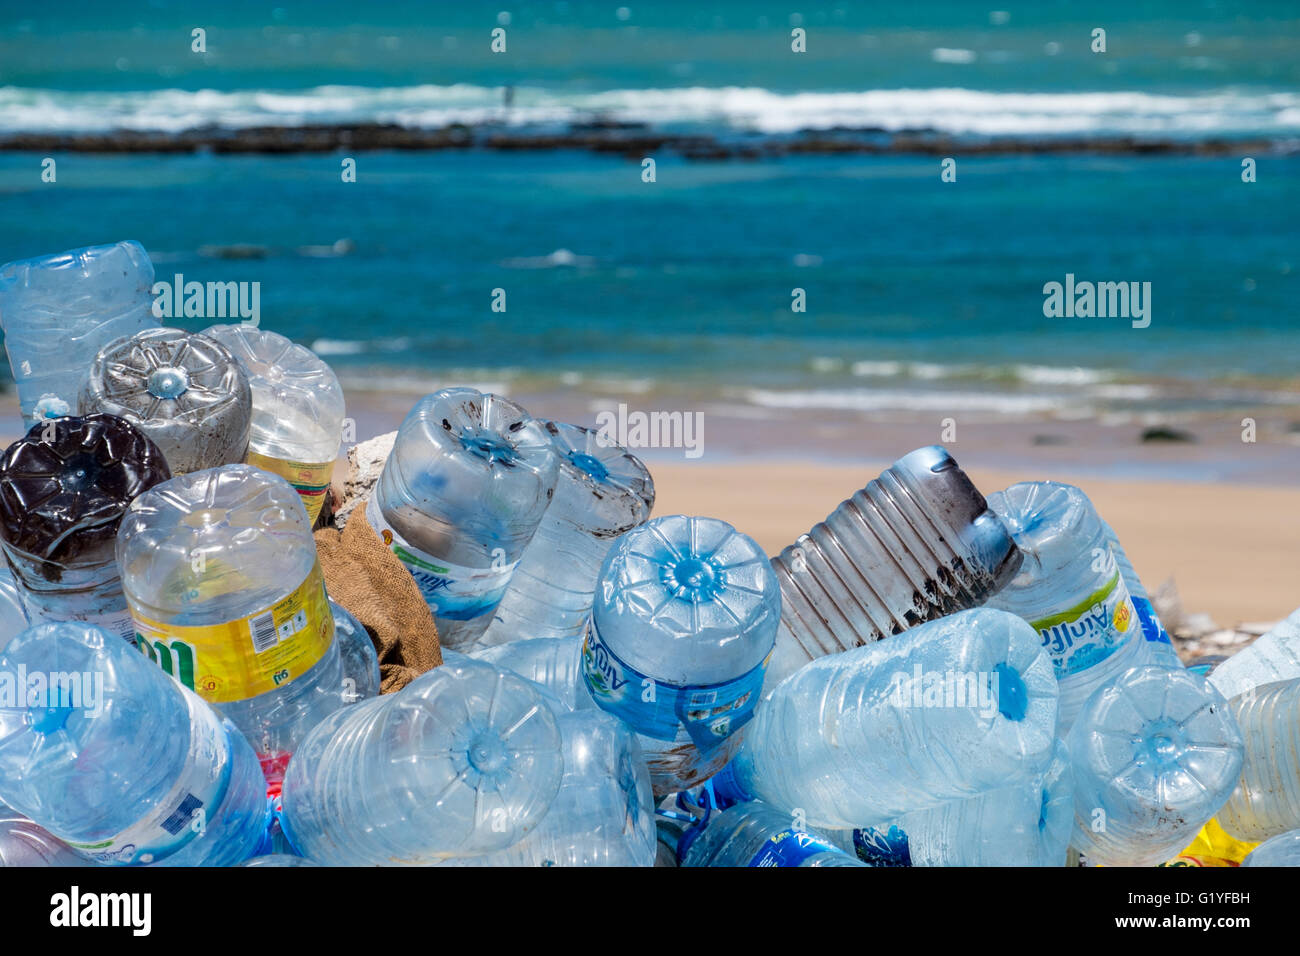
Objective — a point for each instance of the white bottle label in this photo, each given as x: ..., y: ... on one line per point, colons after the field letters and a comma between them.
x: 452, y: 591
x: 181, y: 815
x: 1081, y: 636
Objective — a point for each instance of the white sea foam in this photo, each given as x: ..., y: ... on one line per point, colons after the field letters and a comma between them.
x: 870, y: 400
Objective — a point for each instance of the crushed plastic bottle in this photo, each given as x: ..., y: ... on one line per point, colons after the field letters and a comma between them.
x: 601, y: 492
x: 685, y: 617
x: 751, y: 834
x: 185, y: 392
x: 603, y: 814
x: 1025, y: 824
x: 555, y: 663
x: 63, y: 490
x: 1070, y: 589
x: 298, y: 410
x: 220, y: 572
x: 1272, y: 658
x: 460, y: 497
x: 948, y: 709
x: 1155, y: 753
x: 58, y: 311
x: 916, y: 543
x: 463, y: 761
x: 1266, y: 801
x: 1281, y: 850
x: 122, y: 764
x: 13, y: 616
x: 23, y: 843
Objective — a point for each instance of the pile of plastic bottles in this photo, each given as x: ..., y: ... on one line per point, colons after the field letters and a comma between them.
x: 926, y: 678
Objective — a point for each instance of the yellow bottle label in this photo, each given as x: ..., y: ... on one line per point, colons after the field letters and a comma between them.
x: 248, y: 656
x: 311, y: 481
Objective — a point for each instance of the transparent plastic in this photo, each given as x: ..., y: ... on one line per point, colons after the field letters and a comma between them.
x: 1159, y: 644
x: 751, y: 834
x: 1282, y: 850
x: 553, y: 662
x: 1271, y: 658
x: 13, y: 617
x: 360, y: 660
x: 23, y: 843
x: 1266, y: 801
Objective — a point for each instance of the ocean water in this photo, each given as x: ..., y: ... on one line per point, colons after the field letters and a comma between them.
x: 922, y: 297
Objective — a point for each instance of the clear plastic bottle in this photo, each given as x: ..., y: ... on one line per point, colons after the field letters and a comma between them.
x: 185, y: 392
x: 1159, y: 643
x: 124, y: 765
x: 220, y: 571
x: 360, y: 660
x: 948, y: 709
x: 1281, y: 850
x: 601, y: 492
x: 916, y: 543
x: 1266, y: 801
x: 58, y: 311
x: 298, y: 410
x: 63, y: 490
x: 460, y: 497
x: 751, y: 834
x: 1070, y: 589
x: 685, y: 617
x: 1155, y: 753
x: 279, y: 859
x: 1025, y: 824
x: 23, y: 843
x: 553, y: 662
x: 13, y: 617
x: 603, y: 814
x: 463, y: 761
x: 1272, y: 658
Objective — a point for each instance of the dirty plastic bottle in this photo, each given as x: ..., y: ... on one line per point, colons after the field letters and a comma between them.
x: 1281, y: 850
x: 63, y: 490
x: 601, y: 492
x: 1271, y: 658
x: 1159, y: 644
x: 1070, y: 589
x: 463, y: 761
x: 603, y: 814
x: 1155, y: 753
x: 1266, y: 801
x: 948, y: 709
x: 752, y: 834
x: 122, y: 764
x: 553, y: 662
x: 1025, y: 824
x: 185, y: 392
x: 220, y: 572
x: 23, y: 843
x: 685, y: 617
x: 298, y: 410
x: 916, y: 543
x: 13, y: 617
x: 58, y: 311
x: 360, y: 660
x: 459, y: 498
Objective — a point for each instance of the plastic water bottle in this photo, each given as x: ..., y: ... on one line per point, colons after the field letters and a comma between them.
x: 185, y: 392
x: 1155, y: 753
x: 751, y: 834
x: 463, y: 761
x: 917, y: 543
x: 603, y: 814
x: 1159, y: 644
x: 121, y: 763
x: 58, y: 311
x: 63, y: 490
x: 685, y: 617
x: 553, y: 662
x: 460, y: 497
x: 1271, y: 658
x: 23, y: 843
x: 219, y: 568
x: 948, y: 709
x: 1070, y: 589
x: 1025, y: 824
x: 359, y: 659
x: 298, y: 410
x: 1266, y: 801
x: 1282, y: 850
x: 13, y: 617
x: 601, y: 492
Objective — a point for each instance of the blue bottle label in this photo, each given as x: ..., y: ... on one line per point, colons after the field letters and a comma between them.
x: 710, y: 713
x: 882, y: 847
x: 1151, y: 627
x: 790, y: 848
